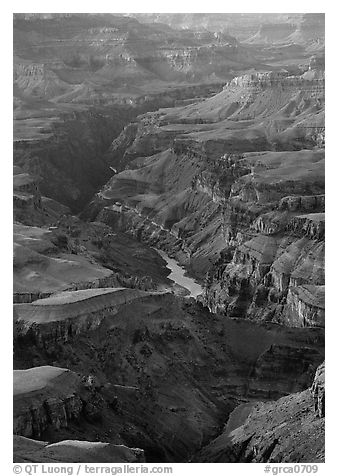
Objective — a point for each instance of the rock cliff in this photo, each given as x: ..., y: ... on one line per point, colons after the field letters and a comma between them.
x: 181, y: 366
x: 63, y: 253
x: 288, y: 430
x: 253, y: 222
x: 57, y: 319
x: 43, y: 397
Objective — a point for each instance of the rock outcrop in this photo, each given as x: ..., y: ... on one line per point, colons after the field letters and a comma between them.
x: 235, y: 220
x: 26, y: 450
x: 45, y: 397
x: 181, y: 366
x: 318, y: 391
x: 288, y: 430
x: 72, y: 255
x: 57, y: 319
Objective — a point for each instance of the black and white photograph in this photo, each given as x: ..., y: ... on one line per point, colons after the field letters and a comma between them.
x: 168, y: 240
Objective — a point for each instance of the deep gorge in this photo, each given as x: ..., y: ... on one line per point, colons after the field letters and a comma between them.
x: 219, y: 167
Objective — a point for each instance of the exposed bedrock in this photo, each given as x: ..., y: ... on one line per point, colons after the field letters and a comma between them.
x: 180, y: 141
x: 49, y: 400
x: 276, y: 80
x: 288, y: 430
x: 30, y: 207
x: 271, y: 278
x: 197, y: 184
x: 26, y: 450
x: 184, y: 368
x: 306, y: 305
x: 233, y: 218
x: 70, y: 161
x: 59, y: 318
x: 318, y: 391
x: 47, y: 397
x: 72, y: 255
x: 312, y: 225
x: 290, y: 109
x: 303, y: 203
x: 271, y: 249
x: 73, y: 160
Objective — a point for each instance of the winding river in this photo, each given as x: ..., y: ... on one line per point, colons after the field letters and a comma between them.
x: 179, y: 277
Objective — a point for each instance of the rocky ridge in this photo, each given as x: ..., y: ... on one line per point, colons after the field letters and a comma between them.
x: 125, y: 358
x: 290, y: 429
x: 27, y: 450
x: 253, y: 221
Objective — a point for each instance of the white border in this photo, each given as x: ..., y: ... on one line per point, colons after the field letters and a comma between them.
x: 331, y: 196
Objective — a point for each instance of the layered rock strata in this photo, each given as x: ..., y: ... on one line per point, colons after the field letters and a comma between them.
x: 288, y: 430
x: 169, y: 357
x: 43, y: 397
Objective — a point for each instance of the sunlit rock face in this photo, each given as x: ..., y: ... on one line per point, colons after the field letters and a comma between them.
x: 73, y: 451
x: 253, y: 221
x: 288, y: 430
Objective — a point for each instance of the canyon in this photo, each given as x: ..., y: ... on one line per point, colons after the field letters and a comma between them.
x: 169, y: 238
